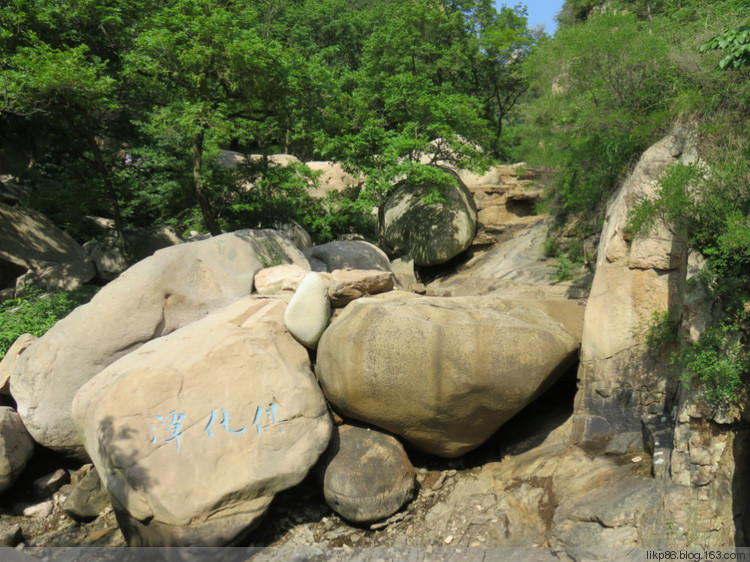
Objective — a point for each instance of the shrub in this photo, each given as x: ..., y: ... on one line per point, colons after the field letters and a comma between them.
x: 716, y: 365
x: 37, y: 312
x: 710, y: 204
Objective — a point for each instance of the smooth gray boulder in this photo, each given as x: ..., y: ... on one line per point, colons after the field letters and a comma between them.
x: 431, y: 232
x: 365, y: 474
x: 347, y: 254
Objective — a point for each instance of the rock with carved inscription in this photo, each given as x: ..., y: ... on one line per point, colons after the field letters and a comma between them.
x: 219, y: 417
x: 174, y: 287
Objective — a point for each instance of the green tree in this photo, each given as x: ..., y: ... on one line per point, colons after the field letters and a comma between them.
x: 72, y: 90
x: 208, y: 76
x: 427, y: 83
x: 60, y: 85
x: 501, y: 42
x: 604, y: 88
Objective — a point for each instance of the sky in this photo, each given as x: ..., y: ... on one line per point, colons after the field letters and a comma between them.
x: 540, y: 11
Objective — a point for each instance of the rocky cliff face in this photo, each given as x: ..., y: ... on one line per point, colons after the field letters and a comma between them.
x: 626, y: 389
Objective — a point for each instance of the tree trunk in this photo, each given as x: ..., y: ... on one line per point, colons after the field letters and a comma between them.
x: 111, y: 192
x: 200, y: 194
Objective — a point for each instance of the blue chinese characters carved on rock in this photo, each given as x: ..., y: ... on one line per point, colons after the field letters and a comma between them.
x: 171, y: 426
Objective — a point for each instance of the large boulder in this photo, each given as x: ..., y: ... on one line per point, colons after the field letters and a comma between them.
x: 430, y: 232
x: 219, y: 417
x: 332, y: 178
x: 155, y: 297
x: 347, y: 254
x: 444, y: 373
x: 365, y: 474
x: 33, y: 249
x: 16, y: 447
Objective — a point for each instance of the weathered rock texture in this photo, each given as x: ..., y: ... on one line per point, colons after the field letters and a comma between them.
x: 220, y: 416
x: 16, y: 447
x: 619, y: 379
x: 280, y: 278
x: 365, y: 474
x: 515, y: 268
x: 349, y: 284
x: 698, y: 453
x: 432, y: 233
x: 88, y: 498
x: 33, y: 251
x: 158, y: 295
x: 442, y: 373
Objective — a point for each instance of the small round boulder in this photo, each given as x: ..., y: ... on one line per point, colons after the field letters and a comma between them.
x: 431, y: 232
x: 365, y: 473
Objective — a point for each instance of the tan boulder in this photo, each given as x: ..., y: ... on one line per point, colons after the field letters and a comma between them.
x: 349, y: 284
x: 33, y: 251
x: 155, y: 297
x: 332, y: 178
x: 8, y: 362
x: 285, y: 277
x: 444, y: 373
x: 220, y: 416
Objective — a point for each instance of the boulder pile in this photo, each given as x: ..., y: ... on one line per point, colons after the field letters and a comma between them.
x: 213, y: 375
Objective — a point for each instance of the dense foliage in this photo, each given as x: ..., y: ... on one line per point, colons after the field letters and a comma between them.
x: 130, y: 102
x: 612, y: 81
x: 35, y: 313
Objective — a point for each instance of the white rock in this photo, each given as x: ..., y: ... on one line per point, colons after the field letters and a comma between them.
x: 39, y: 510
x: 308, y: 312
